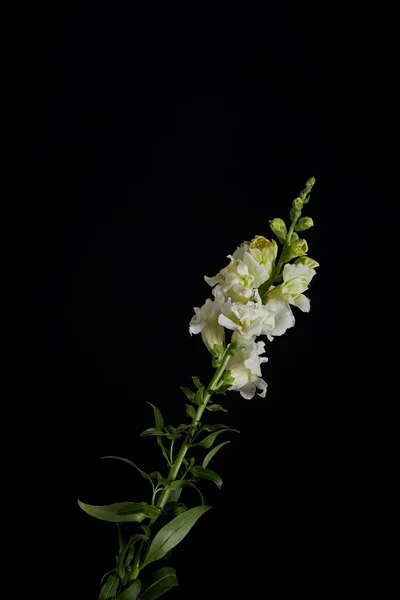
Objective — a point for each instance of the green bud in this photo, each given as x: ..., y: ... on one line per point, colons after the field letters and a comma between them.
x: 306, y: 260
x: 278, y: 227
x: 297, y: 248
x: 304, y: 223
x: 294, y: 237
x: 297, y: 204
x: 310, y: 182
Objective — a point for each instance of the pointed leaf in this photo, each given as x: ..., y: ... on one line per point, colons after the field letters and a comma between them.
x: 109, y: 589
x: 190, y: 411
x: 146, y: 530
x: 198, y: 399
x: 121, y: 511
x: 162, y: 581
x: 148, y: 510
x: 158, y: 418
x: 130, y: 463
x: 152, y: 431
x: 164, y: 450
x: 172, y: 533
x: 212, y: 453
x: 181, y: 483
x: 175, y: 495
x: 215, y: 407
x: 132, y: 592
x: 208, y: 441
x: 106, y: 575
x: 202, y: 473
x: 213, y: 427
x: 198, y: 383
x: 190, y: 395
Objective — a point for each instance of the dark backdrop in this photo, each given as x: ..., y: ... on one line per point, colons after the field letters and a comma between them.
x: 163, y: 136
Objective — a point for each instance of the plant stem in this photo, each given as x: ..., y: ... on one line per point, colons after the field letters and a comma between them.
x: 176, y: 465
x: 174, y: 470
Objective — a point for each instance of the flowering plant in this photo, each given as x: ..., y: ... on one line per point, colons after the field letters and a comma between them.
x: 252, y: 296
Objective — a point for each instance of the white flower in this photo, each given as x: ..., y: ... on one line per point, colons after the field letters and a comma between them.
x: 250, y: 266
x: 205, y: 321
x: 245, y: 368
x: 296, y: 279
x: 254, y: 318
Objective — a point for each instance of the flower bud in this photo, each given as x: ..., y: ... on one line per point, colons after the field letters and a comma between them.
x: 304, y: 223
x: 310, y: 182
x: 278, y: 227
x: 306, y: 260
x: 297, y: 204
x: 297, y: 248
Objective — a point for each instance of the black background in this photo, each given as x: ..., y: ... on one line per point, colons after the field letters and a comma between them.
x: 163, y: 136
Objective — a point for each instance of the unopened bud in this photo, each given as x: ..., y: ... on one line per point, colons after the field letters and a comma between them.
x: 297, y: 204
x: 310, y: 182
x: 304, y: 223
x: 278, y: 227
x: 297, y: 248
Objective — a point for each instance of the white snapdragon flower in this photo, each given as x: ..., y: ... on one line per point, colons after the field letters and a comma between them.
x: 245, y: 368
x: 250, y: 266
x: 254, y: 318
x: 296, y: 279
x: 205, y: 321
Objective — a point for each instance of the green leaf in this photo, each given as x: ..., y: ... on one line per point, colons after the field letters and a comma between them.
x: 129, y: 555
x: 212, y: 453
x: 106, y: 575
x: 121, y: 511
x: 190, y: 411
x: 208, y: 441
x: 131, y: 464
x: 158, y: 418
x: 179, y: 484
x: 152, y: 431
x: 148, y: 510
x: 145, y: 529
x: 184, y: 426
x: 160, y: 479
x: 159, y: 425
x: 109, y: 589
x: 190, y: 395
x: 121, y: 542
x: 198, y: 399
x: 125, y: 558
x: 202, y: 473
x: 164, y: 451
x: 132, y: 592
x: 162, y: 580
x: 121, y: 561
x: 175, y: 495
x: 215, y: 407
x: 172, y: 533
x: 197, y: 383
x: 174, y: 507
x: 213, y: 427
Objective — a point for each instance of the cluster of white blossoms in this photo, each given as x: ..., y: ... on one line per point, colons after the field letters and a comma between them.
x: 239, y: 305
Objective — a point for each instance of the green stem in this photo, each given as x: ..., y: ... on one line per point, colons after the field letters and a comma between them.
x: 174, y: 470
x: 176, y: 465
